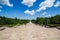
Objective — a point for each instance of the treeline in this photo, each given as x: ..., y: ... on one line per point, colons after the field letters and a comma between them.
x: 48, y: 21
x: 4, y: 21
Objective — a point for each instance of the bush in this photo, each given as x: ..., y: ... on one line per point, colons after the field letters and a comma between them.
x: 48, y: 21
x: 10, y: 22
x: 51, y: 25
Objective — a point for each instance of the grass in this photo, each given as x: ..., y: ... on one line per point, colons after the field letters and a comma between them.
x: 53, y: 25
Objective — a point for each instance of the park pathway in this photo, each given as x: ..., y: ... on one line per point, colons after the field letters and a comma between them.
x: 30, y: 31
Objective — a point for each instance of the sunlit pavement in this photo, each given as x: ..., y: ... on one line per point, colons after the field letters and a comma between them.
x: 30, y: 31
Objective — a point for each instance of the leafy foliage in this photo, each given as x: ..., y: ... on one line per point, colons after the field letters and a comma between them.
x: 49, y: 21
x: 11, y: 22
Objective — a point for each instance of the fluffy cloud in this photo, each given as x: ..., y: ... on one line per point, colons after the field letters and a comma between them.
x: 1, y: 7
x: 0, y: 10
x: 46, y: 4
x: 42, y: 6
x: 44, y: 13
x: 57, y: 4
x: 28, y: 3
x: 30, y: 12
x: 6, y: 2
x: 48, y: 15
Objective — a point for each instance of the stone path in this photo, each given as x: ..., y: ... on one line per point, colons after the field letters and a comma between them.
x: 30, y: 31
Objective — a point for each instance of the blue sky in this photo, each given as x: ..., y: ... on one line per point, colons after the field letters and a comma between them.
x: 29, y: 9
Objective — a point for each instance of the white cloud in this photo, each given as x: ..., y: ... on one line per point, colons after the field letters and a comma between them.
x: 44, y: 13
x: 46, y: 4
x: 6, y: 2
x: 49, y: 15
x: 30, y: 12
x: 28, y: 3
x: 0, y: 10
x: 42, y: 6
x: 57, y: 4
x: 1, y: 7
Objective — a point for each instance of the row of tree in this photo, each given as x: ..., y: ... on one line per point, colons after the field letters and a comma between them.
x: 48, y: 21
x: 4, y: 21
